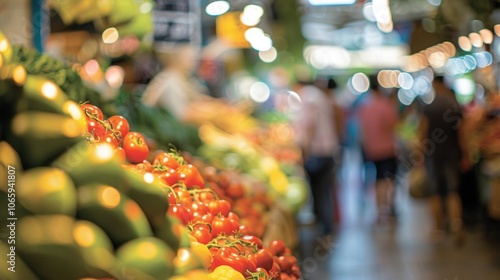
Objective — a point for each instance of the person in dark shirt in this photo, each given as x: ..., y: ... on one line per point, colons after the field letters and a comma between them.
x: 443, y: 145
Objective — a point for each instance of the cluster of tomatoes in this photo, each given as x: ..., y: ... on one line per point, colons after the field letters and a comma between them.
x: 211, y: 222
x: 115, y: 131
x: 210, y: 209
x: 251, y: 206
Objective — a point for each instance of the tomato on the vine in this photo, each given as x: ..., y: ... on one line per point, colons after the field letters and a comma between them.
x: 190, y: 176
x: 235, y: 225
x: 119, y: 153
x: 264, y: 258
x: 254, y: 240
x: 167, y: 160
x: 286, y: 262
x: 277, y: 247
x: 221, y: 225
x: 135, y: 147
x: 169, y: 177
x: 147, y: 164
x: 221, y: 206
x: 234, y: 216
x: 183, y: 196
x: 202, y: 235
x: 111, y: 139
x: 95, y: 128
x: 171, y: 198
x: 179, y: 212
x: 230, y: 257
x: 92, y: 110
x: 244, y: 229
x: 262, y: 273
x: 205, y: 197
x: 199, y: 207
x: 235, y: 190
x: 275, y: 271
x: 206, y: 218
x: 120, y: 124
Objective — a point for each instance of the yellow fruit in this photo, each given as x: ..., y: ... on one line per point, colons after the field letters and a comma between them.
x: 192, y: 239
x: 203, y: 253
x: 225, y: 272
x: 193, y: 274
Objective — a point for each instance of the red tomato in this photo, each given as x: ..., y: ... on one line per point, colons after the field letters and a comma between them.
x: 119, y: 153
x: 233, y: 216
x: 184, y: 196
x: 135, y: 147
x: 296, y: 270
x: 253, y: 239
x: 264, y: 259
x: 199, y: 206
x: 275, y: 271
x: 170, y: 177
x: 221, y: 225
x: 235, y: 225
x: 93, y: 111
x: 148, y: 165
x: 220, y: 206
x: 171, y: 198
x: 245, y: 230
x: 235, y: 190
x: 179, y: 212
x: 141, y: 168
x: 120, y: 124
x: 230, y: 257
x: 190, y: 176
x: 277, y: 247
x: 205, y: 197
x: 199, y: 225
x: 206, y: 218
x: 202, y: 235
x: 111, y: 139
x: 225, y: 207
x: 97, y: 130
x: 286, y: 263
x: 167, y: 160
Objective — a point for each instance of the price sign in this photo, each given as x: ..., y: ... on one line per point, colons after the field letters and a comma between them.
x: 177, y: 21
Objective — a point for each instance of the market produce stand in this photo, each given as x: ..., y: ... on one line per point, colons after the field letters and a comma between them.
x: 91, y: 199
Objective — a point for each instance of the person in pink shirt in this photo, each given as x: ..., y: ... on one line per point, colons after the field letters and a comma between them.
x: 378, y: 118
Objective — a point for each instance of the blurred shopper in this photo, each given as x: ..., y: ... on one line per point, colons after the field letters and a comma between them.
x: 176, y: 89
x: 317, y: 137
x: 378, y: 119
x: 443, y: 143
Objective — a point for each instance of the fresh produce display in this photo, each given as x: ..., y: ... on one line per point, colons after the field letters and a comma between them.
x: 145, y: 120
x: 130, y: 17
x: 95, y: 201
x: 237, y: 152
x: 64, y: 76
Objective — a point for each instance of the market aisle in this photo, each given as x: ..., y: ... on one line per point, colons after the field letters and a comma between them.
x: 362, y: 250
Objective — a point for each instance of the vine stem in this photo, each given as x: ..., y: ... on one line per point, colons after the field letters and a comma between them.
x: 106, y: 125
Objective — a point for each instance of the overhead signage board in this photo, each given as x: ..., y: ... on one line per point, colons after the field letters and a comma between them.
x: 177, y: 22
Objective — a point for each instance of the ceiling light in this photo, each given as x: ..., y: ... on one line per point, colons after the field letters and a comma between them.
x: 217, y: 8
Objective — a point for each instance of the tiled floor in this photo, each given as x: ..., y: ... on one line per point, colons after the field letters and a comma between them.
x: 361, y: 249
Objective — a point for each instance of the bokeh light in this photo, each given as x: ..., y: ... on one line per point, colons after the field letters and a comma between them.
x: 217, y: 8
x: 110, y: 35
x: 269, y: 55
x: 259, y: 92
x: 360, y: 82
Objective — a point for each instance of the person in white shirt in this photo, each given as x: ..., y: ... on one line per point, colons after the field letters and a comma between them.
x: 318, y: 139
